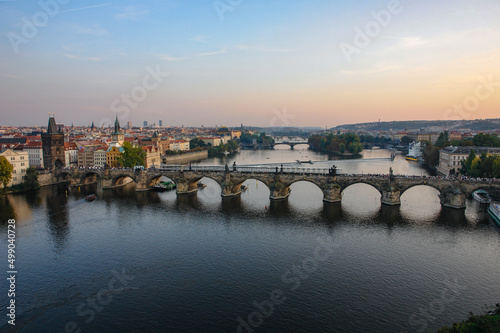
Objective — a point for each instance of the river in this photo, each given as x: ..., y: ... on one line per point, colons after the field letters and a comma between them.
x: 151, y: 262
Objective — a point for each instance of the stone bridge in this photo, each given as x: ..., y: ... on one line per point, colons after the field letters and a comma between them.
x: 290, y: 143
x: 452, y: 192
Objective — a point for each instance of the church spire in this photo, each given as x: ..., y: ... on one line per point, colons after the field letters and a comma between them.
x: 117, y: 126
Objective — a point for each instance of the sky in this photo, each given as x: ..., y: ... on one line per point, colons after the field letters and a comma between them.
x: 252, y: 62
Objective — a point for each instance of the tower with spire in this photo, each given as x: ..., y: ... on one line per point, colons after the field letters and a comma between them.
x: 117, y: 137
x: 53, y: 145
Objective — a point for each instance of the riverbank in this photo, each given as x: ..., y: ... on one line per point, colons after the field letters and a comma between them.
x: 487, y: 323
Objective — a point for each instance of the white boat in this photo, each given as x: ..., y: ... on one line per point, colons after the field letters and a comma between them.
x: 494, y: 212
x: 481, y: 196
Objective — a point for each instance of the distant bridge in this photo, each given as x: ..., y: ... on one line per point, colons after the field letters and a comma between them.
x: 452, y: 192
x: 290, y: 143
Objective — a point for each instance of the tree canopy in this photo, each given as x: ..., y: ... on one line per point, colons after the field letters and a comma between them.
x: 337, y: 143
x: 132, y: 156
x: 31, y: 179
x: 484, y: 166
x: 5, y: 171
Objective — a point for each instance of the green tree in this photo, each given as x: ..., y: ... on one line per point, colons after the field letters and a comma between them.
x: 31, y: 179
x: 5, y: 171
x: 430, y: 153
x: 405, y: 140
x: 486, y: 140
x: 355, y: 147
x: 443, y: 140
x: 496, y: 167
x: 467, y: 163
x: 342, y: 147
x: 132, y: 156
x: 195, y: 143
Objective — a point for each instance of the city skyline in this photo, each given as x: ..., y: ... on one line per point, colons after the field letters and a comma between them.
x: 254, y: 62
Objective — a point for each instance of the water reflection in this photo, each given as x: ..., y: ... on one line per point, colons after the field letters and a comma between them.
x: 57, y: 217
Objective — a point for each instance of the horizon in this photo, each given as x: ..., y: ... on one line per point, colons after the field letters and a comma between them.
x: 330, y: 63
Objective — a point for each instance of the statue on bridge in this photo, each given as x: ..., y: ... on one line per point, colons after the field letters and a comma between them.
x: 226, y: 168
x: 333, y: 170
x: 234, y: 166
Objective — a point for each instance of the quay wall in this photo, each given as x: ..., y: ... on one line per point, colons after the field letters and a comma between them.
x: 187, y: 157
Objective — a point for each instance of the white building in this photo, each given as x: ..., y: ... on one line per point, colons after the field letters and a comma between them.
x: 20, y: 161
x: 450, y: 158
x: 178, y: 145
x: 35, y: 153
x: 415, y: 149
x: 70, y: 153
x: 211, y: 141
x: 100, y: 157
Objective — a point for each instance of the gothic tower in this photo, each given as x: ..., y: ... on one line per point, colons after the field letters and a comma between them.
x: 53, y: 146
x: 117, y: 135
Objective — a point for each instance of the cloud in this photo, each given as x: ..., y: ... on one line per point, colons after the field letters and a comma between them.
x: 378, y: 68
x: 168, y: 57
x: 224, y: 50
x: 95, y: 30
x: 200, y: 38
x: 261, y: 49
x: 131, y: 13
x: 408, y: 42
x: 77, y: 57
x: 82, y: 8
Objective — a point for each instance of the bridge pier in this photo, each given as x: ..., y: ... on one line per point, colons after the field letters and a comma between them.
x: 332, y: 193
x: 391, y: 198
x: 185, y: 187
x: 279, y: 191
x: 230, y: 188
x: 391, y: 193
x: 453, y: 197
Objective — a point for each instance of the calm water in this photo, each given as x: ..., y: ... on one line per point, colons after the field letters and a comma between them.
x: 149, y: 262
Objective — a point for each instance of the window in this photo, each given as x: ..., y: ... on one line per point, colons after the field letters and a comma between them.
x: 12, y: 158
x: 22, y: 163
x: 14, y: 171
x: 14, y: 178
x: 22, y: 157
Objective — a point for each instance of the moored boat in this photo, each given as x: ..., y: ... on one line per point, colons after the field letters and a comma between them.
x: 494, y: 212
x: 159, y: 188
x: 169, y: 185
x: 411, y: 158
x: 90, y: 197
x: 481, y: 196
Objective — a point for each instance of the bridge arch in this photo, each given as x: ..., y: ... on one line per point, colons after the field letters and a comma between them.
x: 307, y: 180
x: 90, y: 177
x: 485, y: 187
x: 375, y: 186
x: 63, y: 177
x: 154, y: 179
x: 403, y: 190
x: 313, y: 190
x: 119, y: 179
